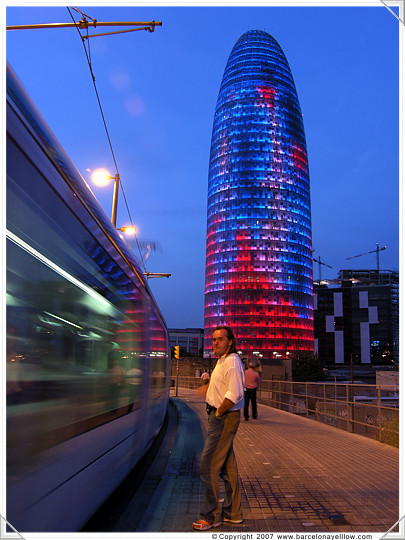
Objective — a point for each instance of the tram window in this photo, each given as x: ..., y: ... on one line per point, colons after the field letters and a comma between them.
x: 59, y: 344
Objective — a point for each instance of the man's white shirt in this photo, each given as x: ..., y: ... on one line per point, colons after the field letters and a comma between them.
x: 227, y: 381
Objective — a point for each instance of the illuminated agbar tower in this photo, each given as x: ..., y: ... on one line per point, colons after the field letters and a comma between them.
x: 259, y: 248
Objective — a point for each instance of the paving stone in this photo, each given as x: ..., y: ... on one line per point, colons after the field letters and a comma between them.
x: 297, y: 475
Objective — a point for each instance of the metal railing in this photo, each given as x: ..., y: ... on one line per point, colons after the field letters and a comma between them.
x: 364, y: 409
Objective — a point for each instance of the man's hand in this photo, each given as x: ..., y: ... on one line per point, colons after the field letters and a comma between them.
x: 224, y: 407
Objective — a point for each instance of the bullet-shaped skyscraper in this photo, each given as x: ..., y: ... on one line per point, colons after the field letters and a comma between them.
x: 259, y: 247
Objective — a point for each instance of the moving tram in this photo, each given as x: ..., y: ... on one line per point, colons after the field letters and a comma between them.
x: 87, y: 360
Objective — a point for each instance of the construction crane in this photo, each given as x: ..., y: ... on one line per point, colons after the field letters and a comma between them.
x: 318, y: 260
x: 373, y: 251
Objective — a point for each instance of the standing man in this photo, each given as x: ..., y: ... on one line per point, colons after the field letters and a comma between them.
x: 252, y: 379
x: 225, y: 398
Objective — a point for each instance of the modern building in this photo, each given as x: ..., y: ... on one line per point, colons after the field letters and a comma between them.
x: 357, y: 318
x: 190, y: 340
x: 259, y: 248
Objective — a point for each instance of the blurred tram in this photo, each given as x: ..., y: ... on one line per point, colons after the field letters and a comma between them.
x: 87, y: 347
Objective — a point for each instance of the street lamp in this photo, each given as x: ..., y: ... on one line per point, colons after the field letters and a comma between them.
x: 149, y: 275
x: 127, y: 230
x: 101, y: 177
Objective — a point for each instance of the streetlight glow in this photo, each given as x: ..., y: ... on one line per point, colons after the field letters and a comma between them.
x: 128, y: 230
x: 101, y: 177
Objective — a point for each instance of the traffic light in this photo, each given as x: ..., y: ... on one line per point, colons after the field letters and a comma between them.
x: 177, y: 352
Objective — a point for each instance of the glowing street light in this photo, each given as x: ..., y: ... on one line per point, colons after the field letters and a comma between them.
x: 127, y: 230
x: 101, y: 177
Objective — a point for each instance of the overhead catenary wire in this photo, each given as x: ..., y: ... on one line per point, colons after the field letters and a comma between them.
x: 88, y: 58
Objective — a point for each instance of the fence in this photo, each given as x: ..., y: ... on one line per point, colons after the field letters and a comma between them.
x: 364, y: 409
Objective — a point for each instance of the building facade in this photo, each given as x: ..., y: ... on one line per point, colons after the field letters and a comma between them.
x: 190, y: 340
x: 357, y: 318
x: 259, y: 246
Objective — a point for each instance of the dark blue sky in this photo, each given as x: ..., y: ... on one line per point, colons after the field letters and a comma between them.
x: 159, y: 91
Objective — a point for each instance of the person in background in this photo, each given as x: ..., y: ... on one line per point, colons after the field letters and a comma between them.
x: 205, y: 377
x: 252, y: 380
x: 224, y: 401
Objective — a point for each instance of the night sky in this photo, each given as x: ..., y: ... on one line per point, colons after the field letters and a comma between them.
x: 158, y: 92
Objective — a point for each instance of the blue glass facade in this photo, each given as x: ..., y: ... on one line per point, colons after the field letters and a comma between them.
x: 259, y: 247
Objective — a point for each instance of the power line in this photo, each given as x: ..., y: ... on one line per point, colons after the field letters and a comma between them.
x: 84, y: 24
x: 88, y: 58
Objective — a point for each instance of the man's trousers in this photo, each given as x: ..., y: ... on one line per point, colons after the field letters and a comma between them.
x: 218, y: 461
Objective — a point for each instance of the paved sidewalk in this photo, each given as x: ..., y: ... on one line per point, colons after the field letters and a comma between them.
x: 297, y: 475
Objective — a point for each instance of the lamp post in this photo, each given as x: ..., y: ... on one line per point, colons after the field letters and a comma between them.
x: 115, y: 200
x: 101, y: 177
x: 336, y: 412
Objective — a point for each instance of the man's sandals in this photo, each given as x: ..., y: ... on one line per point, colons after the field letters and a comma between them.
x: 203, y: 525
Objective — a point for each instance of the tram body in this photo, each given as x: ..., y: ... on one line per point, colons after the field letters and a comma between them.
x: 87, y: 348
